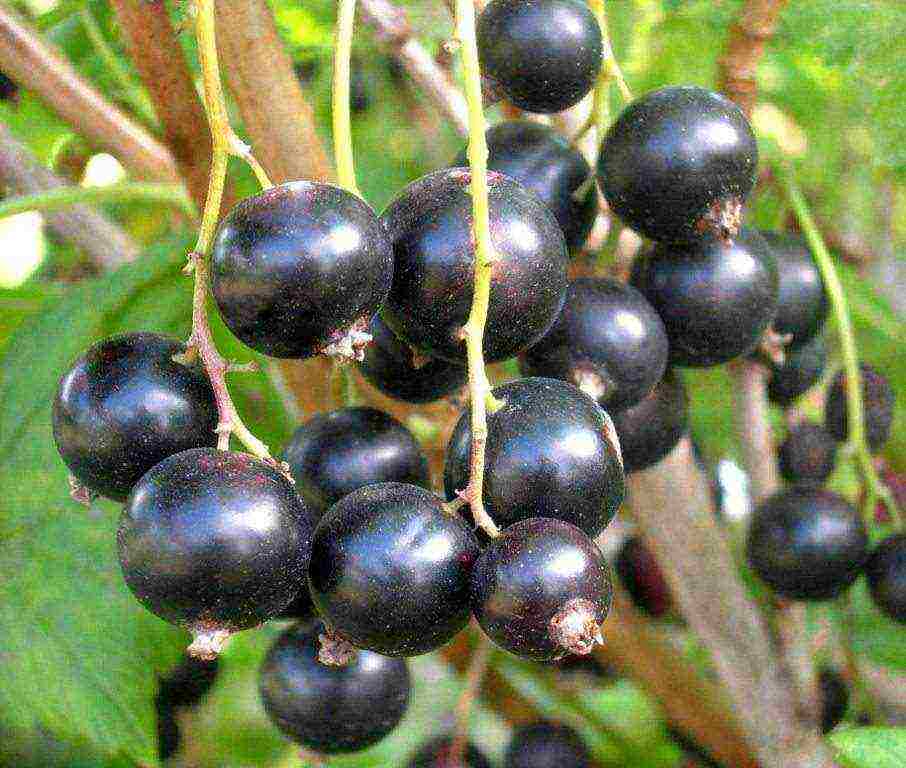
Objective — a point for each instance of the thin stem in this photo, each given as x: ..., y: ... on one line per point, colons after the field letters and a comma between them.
x: 62, y: 197
x: 478, y: 667
x: 473, y: 331
x: 342, y: 120
x: 610, y: 68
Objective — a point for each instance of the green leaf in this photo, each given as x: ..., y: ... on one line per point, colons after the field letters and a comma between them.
x: 870, y: 747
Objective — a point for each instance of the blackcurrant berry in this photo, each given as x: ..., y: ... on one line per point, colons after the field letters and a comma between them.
x: 643, y: 578
x: 716, y: 299
x: 331, y: 709
x: 545, y: 55
x: 541, y: 590
x: 300, y: 269
x: 808, y: 454
x: 547, y: 745
x: 390, y: 569
x: 301, y: 608
x: 543, y: 161
x: 335, y: 453
x: 807, y: 543
x: 878, y: 401
x: 551, y: 452
x: 798, y: 373
x: 215, y: 542
x: 430, y: 226
x: 649, y: 430
x: 126, y: 405
x: 886, y: 571
x: 802, y: 301
x: 678, y: 163
x: 608, y: 341
x: 393, y: 367
x: 834, y: 697
x: 436, y: 754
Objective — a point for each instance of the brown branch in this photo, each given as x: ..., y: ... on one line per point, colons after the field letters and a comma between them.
x: 102, y: 241
x: 753, y: 426
x: 38, y: 66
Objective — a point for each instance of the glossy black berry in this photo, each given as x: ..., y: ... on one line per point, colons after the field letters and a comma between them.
x: 807, y: 543
x: 543, y: 161
x: 550, y: 452
x: 331, y: 709
x: 802, y: 303
x: 547, y: 745
x: 649, y: 430
x: 807, y: 454
x: 390, y: 569
x: 833, y: 694
x: 436, y: 754
x: 608, y: 341
x: 393, y: 367
x: 335, y: 453
x: 716, y: 299
x: 542, y: 590
x: 126, y: 405
x: 642, y: 577
x: 799, y: 372
x: 215, y: 542
x: 886, y: 571
x: 877, y: 399
x: 300, y: 269
x: 430, y: 226
x: 545, y: 55
x: 678, y: 163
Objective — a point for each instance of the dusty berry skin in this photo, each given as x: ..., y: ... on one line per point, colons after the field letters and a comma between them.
x: 550, y: 452
x: 126, y: 405
x: 650, y: 429
x: 430, y: 226
x: 886, y: 570
x: 877, y: 402
x: 436, y: 754
x: 716, y: 299
x: 334, y: 453
x: 807, y: 543
x: 808, y: 454
x: 834, y: 696
x: 543, y: 161
x: 297, y: 266
x: 546, y: 745
x: 608, y: 341
x: 331, y: 709
x: 798, y: 373
x: 390, y: 569
x: 675, y: 160
x: 391, y: 365
x: 529, y: 577
x: 642, y: 577
x: 802, y: 303
x: 545, y: 55
x: 214, y: 540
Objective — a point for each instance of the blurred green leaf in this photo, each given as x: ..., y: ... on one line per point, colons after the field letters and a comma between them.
x: 870, y: 747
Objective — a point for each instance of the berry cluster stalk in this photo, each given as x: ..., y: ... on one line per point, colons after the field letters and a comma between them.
x: 473, y: 331
x: 342, y: 121
x: 475, y: 674
x: 128, y: 191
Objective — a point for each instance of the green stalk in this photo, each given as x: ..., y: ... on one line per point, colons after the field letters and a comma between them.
x: 342, y: 120
x: 61, y: 197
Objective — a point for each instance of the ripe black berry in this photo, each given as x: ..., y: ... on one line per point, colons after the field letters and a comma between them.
x: 642, y: 577
x: 335, y: 453
x: 547, y: 745
x: 716, y: 299
x: 542, y: 160
x: 608, y: 341
x: 390, y: 569
x: 878, y: 401
x: 798, y: 373
x: 430, y: 226
x: 331, y: 709
x: 545, y: 55
x: 834, y: 697
x: 678, y: 163
x: 215, y: 542
x: 436, y: 754
x: 809, y: 453
x: 541, y: 590
x: 551, y: 452
x: 886, y: 571
x: 126, y: 405
x: 801, y: 302
x: 807, y: 543
x: 392, y: 366
x: 300, y: 269
x: 649, y: 430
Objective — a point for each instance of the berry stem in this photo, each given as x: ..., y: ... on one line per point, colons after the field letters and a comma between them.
x: 855, y: 415
x: 342, y: 120
x: 475, y: 674
x: 473, y: 331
